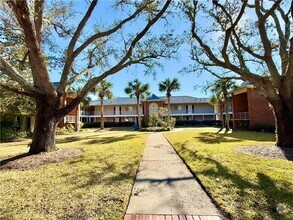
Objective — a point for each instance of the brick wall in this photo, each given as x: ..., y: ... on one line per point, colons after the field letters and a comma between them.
x: 239, y: 104
x: 259, y: 111
x: 146, y: 105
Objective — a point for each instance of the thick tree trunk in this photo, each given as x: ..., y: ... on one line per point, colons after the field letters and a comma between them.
x: 138, y: 113
x: 283, y: 113
x: 102, y: 113
x: 45, y: 126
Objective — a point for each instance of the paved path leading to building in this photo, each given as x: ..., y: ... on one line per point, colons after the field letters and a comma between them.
x: 165, y: 189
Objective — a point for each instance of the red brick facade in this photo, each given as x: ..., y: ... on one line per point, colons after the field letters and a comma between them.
x: 251, y: 109
x: 259, y: 110
x: 74, y: 113
x: 146, y: 106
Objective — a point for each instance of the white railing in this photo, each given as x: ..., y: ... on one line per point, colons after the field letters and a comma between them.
x: 242, y: 115
x: 112, y: 113
x: 179, y: 111
x: 70, y: 119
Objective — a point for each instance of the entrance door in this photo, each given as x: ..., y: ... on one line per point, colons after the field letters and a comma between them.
x: 153, y: 108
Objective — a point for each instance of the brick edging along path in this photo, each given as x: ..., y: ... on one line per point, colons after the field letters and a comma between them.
x: 165, y: 189
x: 168, y: 217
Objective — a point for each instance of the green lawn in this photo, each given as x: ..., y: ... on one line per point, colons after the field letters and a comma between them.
x: 97, y: 184
x: 248, y: 187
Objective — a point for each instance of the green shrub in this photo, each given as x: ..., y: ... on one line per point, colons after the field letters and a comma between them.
x: 172, y: 122
x: 108, y: 124
x: 158, y: 119
x: 10, y: 134
x: 9, y: 124
x: 81, y: 125
x: 145, y: 122
x: 155, y: 129
x: 154, y: 120
x: 69, y: 127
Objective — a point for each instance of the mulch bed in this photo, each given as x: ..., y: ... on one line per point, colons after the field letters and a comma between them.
x: 268, y: 151
x: 26, y: 161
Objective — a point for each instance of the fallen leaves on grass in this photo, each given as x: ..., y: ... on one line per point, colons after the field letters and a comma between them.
x: 26, y: 161
x: 268, y: 151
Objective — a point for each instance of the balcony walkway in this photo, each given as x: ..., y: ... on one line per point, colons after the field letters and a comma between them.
x: 165, y: 189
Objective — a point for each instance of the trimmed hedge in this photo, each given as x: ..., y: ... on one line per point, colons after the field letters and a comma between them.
x: 108, y: 124
x: 155, y: 129
x: 199, y: 123
x: 9, y: 124
x: 9, y: 134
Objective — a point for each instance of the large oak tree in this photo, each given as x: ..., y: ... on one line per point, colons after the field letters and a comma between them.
x: 253, y: 40
x: 31, y: 31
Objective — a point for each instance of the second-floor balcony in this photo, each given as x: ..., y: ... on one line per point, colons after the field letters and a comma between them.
x: 242, y: 116
x: 110, y: 113
x: 70, y: 118
x: 195, y: 112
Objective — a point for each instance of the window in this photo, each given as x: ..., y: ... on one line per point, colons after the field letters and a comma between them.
x: 178, y: 107
x: 129, y: 108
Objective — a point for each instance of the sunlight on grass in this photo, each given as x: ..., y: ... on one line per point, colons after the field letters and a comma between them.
x: 97, y: 184
x: 248, y: 187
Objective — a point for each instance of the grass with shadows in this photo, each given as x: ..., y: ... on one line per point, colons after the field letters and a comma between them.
x: 95, y: 185
x: 245, y: 186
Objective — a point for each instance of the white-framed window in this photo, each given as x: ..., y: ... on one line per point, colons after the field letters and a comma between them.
x: 178, y: 107
x: 129, y: 108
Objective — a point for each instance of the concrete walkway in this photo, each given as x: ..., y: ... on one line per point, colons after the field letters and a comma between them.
x: 165, y: 189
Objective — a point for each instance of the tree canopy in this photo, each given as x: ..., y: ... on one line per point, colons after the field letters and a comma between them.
x: 252, y: 41
x: 33, y: 35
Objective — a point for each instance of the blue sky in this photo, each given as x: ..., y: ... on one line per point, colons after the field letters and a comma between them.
x: 191, y: 84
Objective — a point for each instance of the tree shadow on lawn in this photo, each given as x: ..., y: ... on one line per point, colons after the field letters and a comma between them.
x: 265, y: 184
x: 68, y: 139
x: 235, y: 136
x: 101, y: 171
x: 95, y: 139
x: 17, y: 157
x: 108, y: 140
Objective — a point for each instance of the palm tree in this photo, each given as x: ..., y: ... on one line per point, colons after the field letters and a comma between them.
x: 139, y: 90
x: 103, y: 89
x: 169, y: 86
x: 220, y: 89
x: 218, y: 99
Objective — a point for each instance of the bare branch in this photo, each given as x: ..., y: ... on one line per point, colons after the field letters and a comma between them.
x: 16, y: 90
x: 120, y: 65
x: 37, y: 62
x: 108, y: 32
x: 265, y: 40
x: 229, y: 31
x: 70, y: 49
x: 39, y: 10
x: 7, y: 69
x: 247, y: 49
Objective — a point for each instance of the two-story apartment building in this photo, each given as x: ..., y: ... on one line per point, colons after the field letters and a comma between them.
x: 251, y: 110
x: 123, y: 109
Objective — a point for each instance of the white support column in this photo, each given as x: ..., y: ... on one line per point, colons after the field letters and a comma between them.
x: 33, y: 118
x: 77, y: 118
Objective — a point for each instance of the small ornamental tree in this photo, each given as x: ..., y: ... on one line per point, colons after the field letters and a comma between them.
x: 103, y: 89
x: 33, y: 35
x: 137, y: 89
x: 220, y: 95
